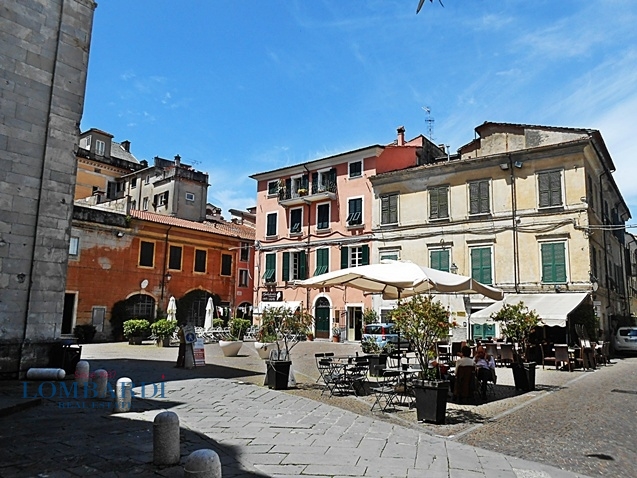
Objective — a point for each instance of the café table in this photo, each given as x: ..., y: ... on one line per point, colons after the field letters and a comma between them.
x: 405, y: 373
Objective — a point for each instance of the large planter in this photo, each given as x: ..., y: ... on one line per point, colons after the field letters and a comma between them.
x: 523, y: 375
x: 230, y: 348
x: 336, y: 338
x: 264, y: 348
x: 137, y: 340
x: 165, y: 342
x: 376, y: 364
x: 278, y: 374
x: 431, y: 401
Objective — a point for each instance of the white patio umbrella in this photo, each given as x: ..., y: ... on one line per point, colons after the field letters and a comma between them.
x: 171, y: 310
x: 396, y: 279
x: 207, y: 325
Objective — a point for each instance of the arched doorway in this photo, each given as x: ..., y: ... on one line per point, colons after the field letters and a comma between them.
x: 140, y: 306
x: 191, y: 308
x: 244, y: 311
x: 322, y: 318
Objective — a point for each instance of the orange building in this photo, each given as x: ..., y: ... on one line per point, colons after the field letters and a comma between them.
x: 123, y: 267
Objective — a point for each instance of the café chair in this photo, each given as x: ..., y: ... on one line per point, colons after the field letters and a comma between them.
x: 548, y: 355
x: 465, y: 383
x: 385, y: 391
x: 563, y: 356
x: 506, y: 354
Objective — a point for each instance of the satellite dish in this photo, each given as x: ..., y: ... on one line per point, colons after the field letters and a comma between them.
x: 144, y: 284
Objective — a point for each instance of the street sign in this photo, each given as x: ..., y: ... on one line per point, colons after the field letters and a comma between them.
x: 189, y: 334
x: 199, y: 352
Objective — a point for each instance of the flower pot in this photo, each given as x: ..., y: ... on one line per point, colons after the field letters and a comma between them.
x: 310, y: 337
x: 278, y: 374
x: 165, y: 342
x: 376, y: 364
x: 137, y: 340
x: 336, y: 338
x: 264, y: 348
x: 230, y: 348
x: 523, y: 375
x: 431, y: 401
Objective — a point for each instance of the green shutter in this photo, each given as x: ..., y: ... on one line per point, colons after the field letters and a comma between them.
x: 481, y: 265
x: 302, y: 265
x: 556, y: 188
x: 344, y: 257
x: 474, y: 199
x: 550, y: 188
x: 433, y: 204
x: 270, y: 268
x: 393, y: 208
x: 322, y: 256
x: 553, y: 262
x: 384, y: 210
x: 443, y: 203
x: 440, y: 260
x: 484, y: 197
x: 286, y: 266
x: 559, y: 259
x: 365, y: 258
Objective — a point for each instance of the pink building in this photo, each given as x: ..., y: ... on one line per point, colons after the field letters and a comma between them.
x: 315, y: 217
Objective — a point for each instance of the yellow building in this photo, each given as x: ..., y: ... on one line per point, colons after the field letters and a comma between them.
x: 529, y: 209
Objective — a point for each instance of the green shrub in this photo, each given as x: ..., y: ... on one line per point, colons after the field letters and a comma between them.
x: 163, y: 328
x: 217, y: 323
x: 238, y: 327
x: 135, y: 327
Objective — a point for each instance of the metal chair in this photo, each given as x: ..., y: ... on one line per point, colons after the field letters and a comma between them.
x: 506, y: 354
x: 465, y: 383
x: 385, y: 391
x: 562, y: 356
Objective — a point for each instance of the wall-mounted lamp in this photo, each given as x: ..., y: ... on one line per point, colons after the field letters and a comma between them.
x: 504, y: 166
x: 119, y: 234
x: 453, y: 268
x: 167, y: 277
x: 518, y: 164
x: 558, y: 288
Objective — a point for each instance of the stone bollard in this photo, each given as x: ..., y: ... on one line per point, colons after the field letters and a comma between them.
x: 46, y: 374
x: 81, y: 373
x: 124, y: 395
x: 166, y: 447
x: 203, y: 464
x: 101, y: 380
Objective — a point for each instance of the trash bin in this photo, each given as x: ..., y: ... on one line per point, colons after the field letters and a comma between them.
x: 529, y: 368
x: 66, y: 356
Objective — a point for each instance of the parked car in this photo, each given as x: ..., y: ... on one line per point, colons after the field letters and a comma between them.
x: 384, y: 334
x: 625, y: 339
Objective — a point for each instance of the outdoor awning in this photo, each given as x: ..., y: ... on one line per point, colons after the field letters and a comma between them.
x: 291, y: 305
x: 553, y: 309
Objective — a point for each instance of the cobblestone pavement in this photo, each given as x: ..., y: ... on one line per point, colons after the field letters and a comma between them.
x: 259, y: 432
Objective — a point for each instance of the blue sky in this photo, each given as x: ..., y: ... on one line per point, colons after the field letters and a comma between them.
x: 241, y: 87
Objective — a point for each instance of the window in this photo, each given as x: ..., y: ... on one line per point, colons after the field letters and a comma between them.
x: 145, y: 204
x: 97, y: 318
x: 190, y: 197
x: 296, y: 219
x: 439, y: 259
x: 244, y: 255
x: 133, y: 183
x: 355, y: 169
x: 226, y: 264
x: 324, y: 181
x: 273, y: 188
x: 354, y: 256
x: 550, y: 188
x: 389, y: 254
x: 322, y: 261
x: 271, y: 224
x: 200, y: 260
x: 243, y: 277
x: 355, y: 212
x: 133, y: 204
x: 590, y: 194
x: 294, y: 266
x: 479, y: 197
x: 161, y: 199
x: 74, y: 246
x: 481, y: 265
x: 146, y: 254
x: 389, y: 209
x: 553, y: 262
x: 270, y: 268
x: 147, y: 179
x: 439, y: 203
x: 323, y: 216
x: 111, y: 190
x: 100, y: 147
x: 174, y: 258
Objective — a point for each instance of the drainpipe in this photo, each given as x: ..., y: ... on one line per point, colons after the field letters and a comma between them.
x: 307, y: 251
x: 514, y: 220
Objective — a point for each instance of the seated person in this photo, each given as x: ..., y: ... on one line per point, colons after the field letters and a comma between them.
x: 465, y: 357
x: 465, y: 360
x: 485, y: 365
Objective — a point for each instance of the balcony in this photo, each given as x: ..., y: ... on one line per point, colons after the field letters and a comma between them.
x: 318, y: 192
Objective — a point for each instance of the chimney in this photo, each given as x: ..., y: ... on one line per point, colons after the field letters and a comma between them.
x: 126, y: 145
x: 177, y: 160
x: 401, y: 136
x: 442, y: 148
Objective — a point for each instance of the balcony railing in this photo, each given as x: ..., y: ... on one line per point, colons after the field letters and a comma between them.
x: 317, y: 192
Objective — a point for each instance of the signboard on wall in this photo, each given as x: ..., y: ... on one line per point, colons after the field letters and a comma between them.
x: 276, y: 296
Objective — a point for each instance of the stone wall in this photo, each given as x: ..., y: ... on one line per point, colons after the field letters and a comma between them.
x: 45, y: 49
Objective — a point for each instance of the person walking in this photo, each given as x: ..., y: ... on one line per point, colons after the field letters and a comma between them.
x: 181, y: 355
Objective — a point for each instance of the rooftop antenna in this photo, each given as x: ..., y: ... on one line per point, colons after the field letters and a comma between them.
x: 430, y: 123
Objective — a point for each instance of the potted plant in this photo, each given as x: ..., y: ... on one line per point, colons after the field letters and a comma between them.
x: 423, y: 321
x: 232, y: 342
x: 302, y: 191
x: 163, y: 330
x: 377, y: 354
x: 517, y: 324
x: 135, y: 329
x: 289, y: 327
x: 336, y: 333
x: 84, y: 333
